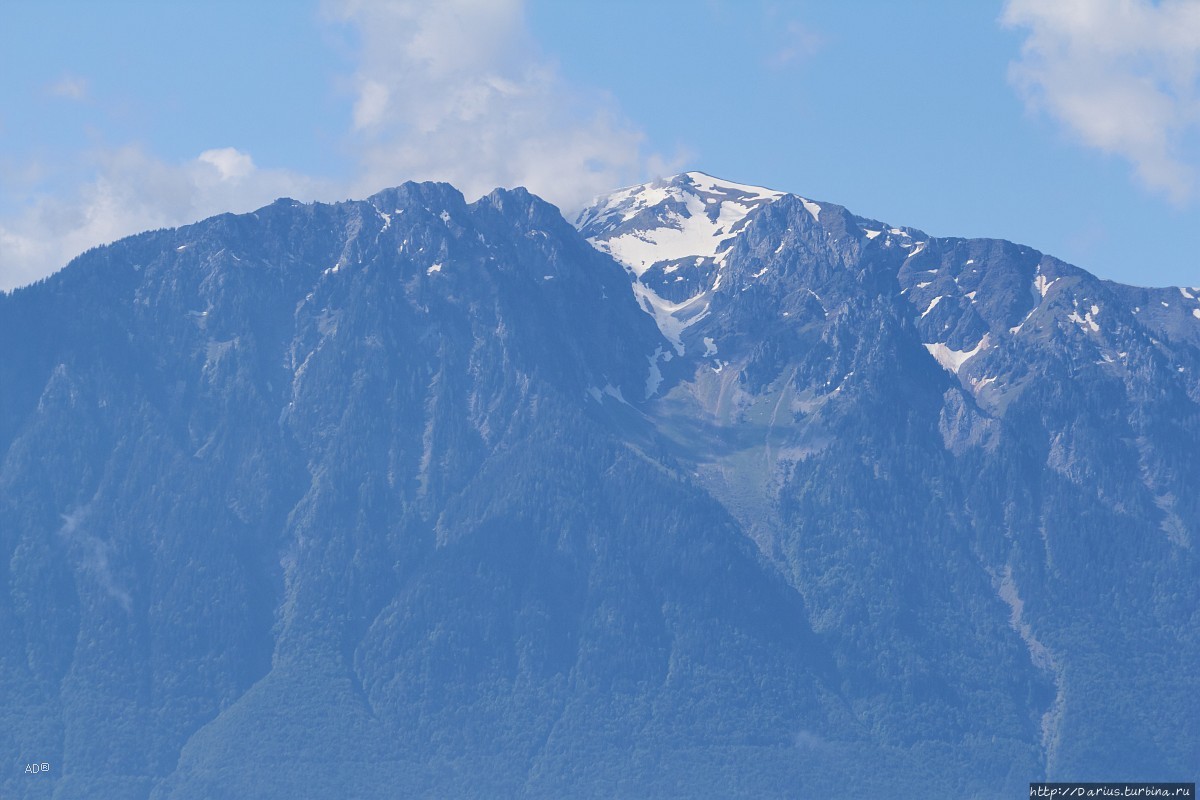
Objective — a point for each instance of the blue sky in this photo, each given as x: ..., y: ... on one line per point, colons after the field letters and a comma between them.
x: 1071, y: 126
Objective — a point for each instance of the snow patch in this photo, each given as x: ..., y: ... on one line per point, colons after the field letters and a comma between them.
x: 433, y: 268
x: 1086, y: 321
x: 672, y: 318
x: 932, y: 305
x: 683, y: 235
x: 686, y: 226
x: 609, y: 390
x: 654, y: 378
x: 615, y: 393
x: 707, y: 183
x: 953, y: 360
x: 691, y: 216
x: 1042, y: 285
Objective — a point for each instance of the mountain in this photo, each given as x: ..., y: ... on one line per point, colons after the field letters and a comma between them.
x: 721, y: 492
x: 971, y: 460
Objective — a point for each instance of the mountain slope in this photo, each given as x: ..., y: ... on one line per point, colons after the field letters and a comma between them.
x: 415, y: 496
x: 907, y: 425
x: 328, y: 492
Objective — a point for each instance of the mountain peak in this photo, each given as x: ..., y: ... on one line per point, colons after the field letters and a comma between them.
x: 690, y: 215
x: 673, y: 235
x: 702, y: 181
x: 414, y: 482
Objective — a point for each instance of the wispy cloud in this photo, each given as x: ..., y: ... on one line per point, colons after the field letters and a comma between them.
x: 454, y: 90
x: 799, y: 43
x: 71, y: 87
x: 1121, y: 75
x: 132, y: 191
x: 458, y: 91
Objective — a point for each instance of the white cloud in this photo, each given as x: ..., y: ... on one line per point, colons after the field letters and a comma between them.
x: 1122, y: 76
x: 457, y: 91
x: 132, y: 192
x: 371, y: 104
x: 800, y: 43
x: 230, y: 163
x: 71, y: 87
x: 453, y: 90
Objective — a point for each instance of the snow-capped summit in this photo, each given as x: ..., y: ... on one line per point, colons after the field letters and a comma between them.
x: 673, y: 235
x: 881, y: 499
x: 689, y: 216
